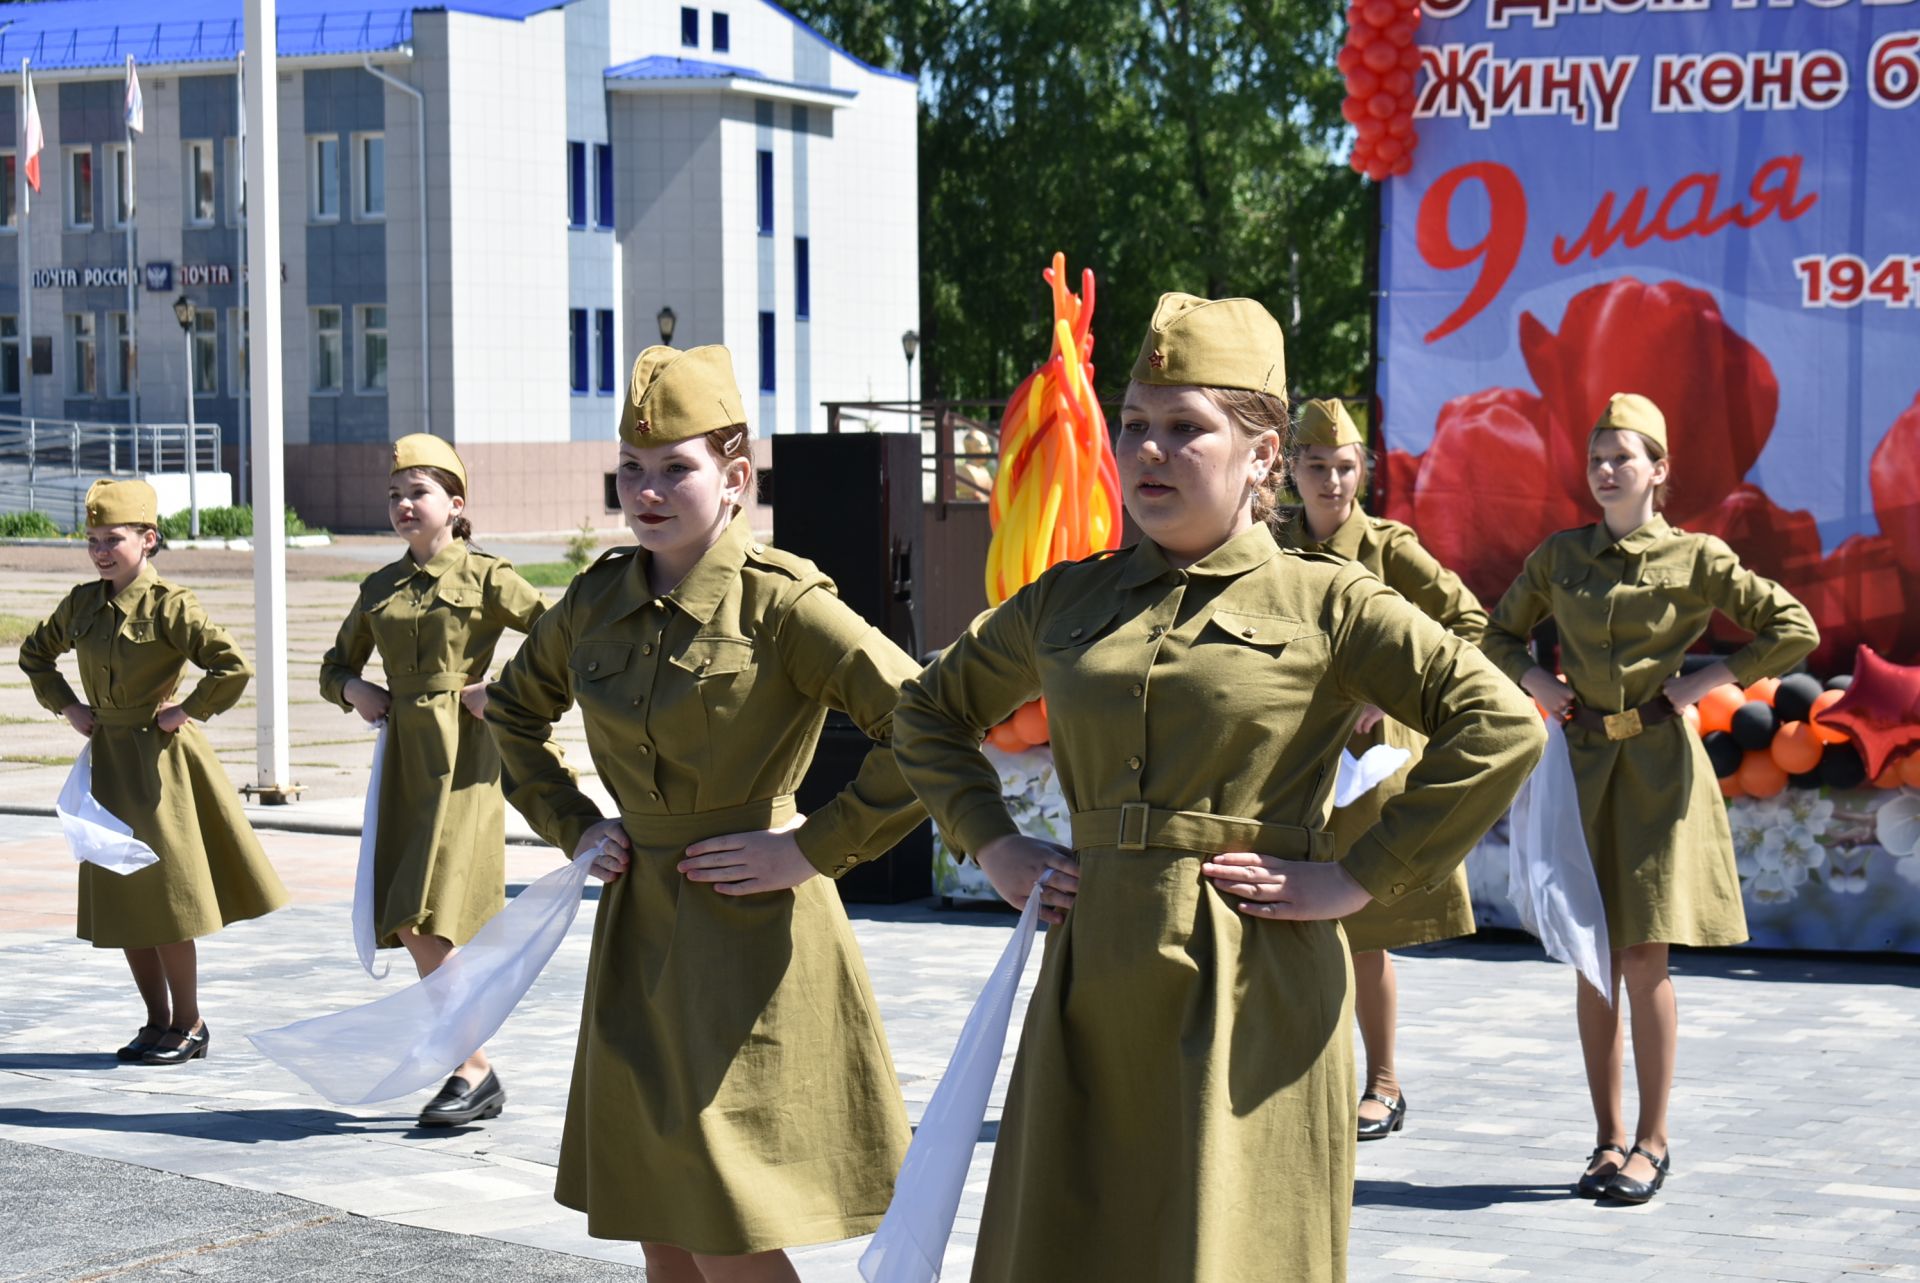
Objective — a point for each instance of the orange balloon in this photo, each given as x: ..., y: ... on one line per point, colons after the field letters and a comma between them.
x: 1730, y: 786
x: 1796, y: 748
x: 1760, y: 775
x: 1005, y: 738
x: 1910, y: 770
x: 1763, y: 690
x: 1827, y: 734
x: 1717, y: 707
x: 1030, y: 722
x: 1691, y: 714
x: 1889, y: 777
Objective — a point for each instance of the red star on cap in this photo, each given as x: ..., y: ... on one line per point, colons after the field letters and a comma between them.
x: 1156, y: 358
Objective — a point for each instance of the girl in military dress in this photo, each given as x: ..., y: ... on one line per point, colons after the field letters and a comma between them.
x: 1630, y: 594
x: 732, y: 1090
x: 134, y: 634
x: 434, y: 616
x: 1182, y: 1100
x: 1327, y: 467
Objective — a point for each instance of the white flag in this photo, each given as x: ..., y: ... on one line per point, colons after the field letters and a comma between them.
x: 36, y: 138
x: 136, y: 106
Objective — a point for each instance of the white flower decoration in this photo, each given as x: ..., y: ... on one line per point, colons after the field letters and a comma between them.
x: 1770, y: 886
x: 1847, y: 870
x: 1797, y: 851
x: 1897, y: 824
x: 1808, y: 809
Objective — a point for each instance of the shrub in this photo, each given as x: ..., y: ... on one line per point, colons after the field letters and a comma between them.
x: 226, y: 523
x: 27, y: 525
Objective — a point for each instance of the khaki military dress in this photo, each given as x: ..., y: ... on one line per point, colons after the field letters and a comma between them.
x: 1627, y: 611
x: 1393, y: 552
x: 440, y: 855
x: 732, y: 1089
x: 1182, y: 1104
x: 170, y: 789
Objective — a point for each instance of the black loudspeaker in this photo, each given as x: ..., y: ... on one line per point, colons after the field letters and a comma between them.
x: 850, y: 503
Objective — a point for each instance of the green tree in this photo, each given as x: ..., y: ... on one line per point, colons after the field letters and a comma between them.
x: 1167, y: 145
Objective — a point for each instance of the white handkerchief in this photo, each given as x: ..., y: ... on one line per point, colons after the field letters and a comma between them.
x: 363, y: 940
x: 1356, y: 777
x: 96, y: 835
x: 1550, y: 876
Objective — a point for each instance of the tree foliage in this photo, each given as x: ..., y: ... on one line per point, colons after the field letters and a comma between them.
x: 1167, y: 144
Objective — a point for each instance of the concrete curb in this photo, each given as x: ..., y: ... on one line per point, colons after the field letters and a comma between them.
x: 274, y: 819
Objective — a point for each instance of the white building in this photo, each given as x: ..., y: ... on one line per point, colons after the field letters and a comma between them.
x: 588, y: 165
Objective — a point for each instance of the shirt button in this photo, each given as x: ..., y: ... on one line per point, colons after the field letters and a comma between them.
x: 644, y: 750
x: 594, y: 667
x: 636, y: 703
x: 1246, y: 632
x: 1076, y: 632
x: 1133, y: 764
x: 1399, y: 888
x: 646, y: 648
x: 1156, y: 632
x: 653, y: 797
x: 1136, y: 690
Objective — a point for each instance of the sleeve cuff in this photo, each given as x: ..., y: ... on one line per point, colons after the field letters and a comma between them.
x: 826, y: 844
x: 1746, y: 667
x: 1382, y: 874
x: 197, y: 708
x: 983, y: 824
x: 565, y: 831
x: 57, y: 695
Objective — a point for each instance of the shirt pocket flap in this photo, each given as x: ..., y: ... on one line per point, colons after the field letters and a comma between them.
x: 714, y: 656
x: 1573, y: 576
x: 593, y: 660
x: 464, y: 596
x: 1258, y: 630
x: 1075, y: 630
x: 139, y: 630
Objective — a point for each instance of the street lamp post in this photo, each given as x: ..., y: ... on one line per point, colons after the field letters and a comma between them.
x: 910, y: 344
x: 667, y: 321
x: 184, y: 312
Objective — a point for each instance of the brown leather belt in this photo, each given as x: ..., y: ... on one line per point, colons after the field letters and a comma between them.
x: 1623, y: 726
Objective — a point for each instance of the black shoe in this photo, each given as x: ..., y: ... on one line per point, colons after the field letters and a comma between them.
x: 194, y: 1048
x: 148, y: 1039
x: 1623, y: 1190
x: 1381, y: 1128
x: 463, y: 1102
x: 1594, y: 1184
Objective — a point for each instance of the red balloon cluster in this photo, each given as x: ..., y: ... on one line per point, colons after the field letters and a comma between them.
x: 1379, y: 62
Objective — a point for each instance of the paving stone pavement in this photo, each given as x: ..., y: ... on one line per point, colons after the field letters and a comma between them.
x: 1794, y: 1112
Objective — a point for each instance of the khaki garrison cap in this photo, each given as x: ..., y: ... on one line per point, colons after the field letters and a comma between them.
x: 674, y: 395
x: 1631, y: 412
x: 122, y: 503
x: 1213, y: 343
x: 424, y: 450
x: 1326, y: 423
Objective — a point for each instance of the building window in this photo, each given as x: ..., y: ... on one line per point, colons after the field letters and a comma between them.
x: 576, y: 184
x: 370, y: 177
x: 766, y: 352
x: 802, y: 279
x: 82, y: 376
x: 200, y: 183
x: 766, y: 193
x: 372, y: 327
x: 690, y: 28
x: 722, y: 37
x: 10, y: 196
x: 327, y: 349
x: 602, y: 186
x: 9, y: 356
x: 323, y: 179
x: 120, y: 373
x: 239, y: 358
x: 236, y: 184
x: 206, y: 352
x: 120, y: 166
x: 577, y: 345
x: 79, y: 188
x: 603, y: 350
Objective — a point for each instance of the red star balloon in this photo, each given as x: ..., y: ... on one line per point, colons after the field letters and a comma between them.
x: 1881, y: 710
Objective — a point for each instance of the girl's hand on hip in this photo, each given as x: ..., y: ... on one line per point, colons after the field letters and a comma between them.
x: 1014, y: 863
x: 1286, y: 890
x: 1370, y: 717
x: 170, y: 718
x: 1549, y: 692
x: 750, y: 863
x: 368, y: 700
x: 615, y: 849
x: 474, y: 699
x: 80, y: 717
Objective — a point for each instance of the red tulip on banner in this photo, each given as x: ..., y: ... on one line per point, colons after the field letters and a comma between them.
x: 1669, y: 343
x: 1895, y: 476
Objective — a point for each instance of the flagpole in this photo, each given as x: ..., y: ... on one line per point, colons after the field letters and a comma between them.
x: 241, y: 393
x: 26, y: 250
x: 133, y: 342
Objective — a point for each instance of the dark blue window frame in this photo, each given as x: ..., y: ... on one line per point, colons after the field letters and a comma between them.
x: 722, y: 33
x: 603, y: 343
x: 766, y: 352
x: 576, y: 184
x: 802, y: 279
x: 577, y: 337
x: 766, y: 192
x: 603, y: 190
x: 690, y: 28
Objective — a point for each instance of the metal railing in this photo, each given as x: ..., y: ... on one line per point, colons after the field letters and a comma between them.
x: 41, y: 458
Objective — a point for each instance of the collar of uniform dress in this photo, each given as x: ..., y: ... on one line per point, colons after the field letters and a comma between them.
x: 1345, y: 541
x: 446, y: 559
x: 706, y: 585
x: 1637, y: 542
x: 133, y: 592
x: 1248, y: 550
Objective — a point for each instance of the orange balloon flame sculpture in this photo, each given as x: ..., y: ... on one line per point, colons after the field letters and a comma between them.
x: 1057, y: 495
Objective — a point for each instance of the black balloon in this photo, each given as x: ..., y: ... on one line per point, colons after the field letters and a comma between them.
x: 1724, y: 752
x: 1839, y: 681
x: 1754, y: 725
x: 1794, y: 700
x: 1805, y: 780
x: 1841, y: 767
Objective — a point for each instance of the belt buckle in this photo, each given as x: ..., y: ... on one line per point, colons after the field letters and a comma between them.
x: 1133, y: 826
x: 1623, y: 726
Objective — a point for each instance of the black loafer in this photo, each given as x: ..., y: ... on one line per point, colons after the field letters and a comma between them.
x: 1594, y: 1184
x: 148, y: 1039
x: 193, y: 1047
x: 1381, y: 1128
x: 463, y: 1102
x: 1623, y: 1190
